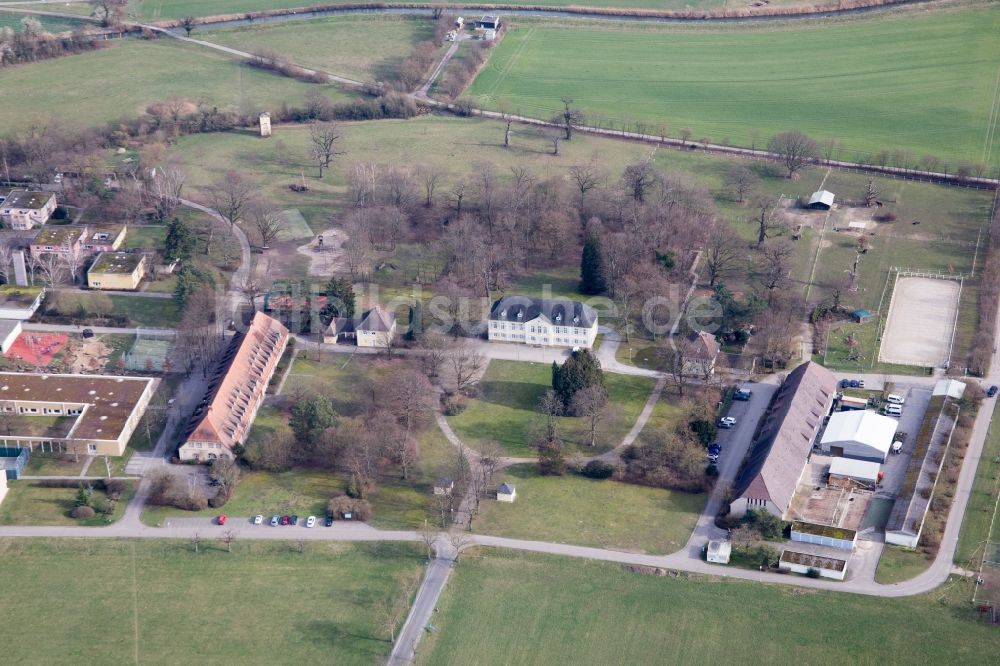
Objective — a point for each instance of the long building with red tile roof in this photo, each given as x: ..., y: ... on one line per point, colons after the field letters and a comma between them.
x: 236, y: 391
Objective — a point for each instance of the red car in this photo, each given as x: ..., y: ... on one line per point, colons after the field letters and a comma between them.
x: 284, y: 520
x: 222, y: 519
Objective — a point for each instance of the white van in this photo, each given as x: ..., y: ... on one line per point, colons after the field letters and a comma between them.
x: 893, y: 410
x: 895, y: 399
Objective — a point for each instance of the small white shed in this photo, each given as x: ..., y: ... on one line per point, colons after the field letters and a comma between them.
x: 718, y: 552
x: 865, y: 471
x: 506, y: 492
x: 821, y: 200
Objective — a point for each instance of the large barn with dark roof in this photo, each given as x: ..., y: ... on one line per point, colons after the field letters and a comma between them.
x: 785, y: 436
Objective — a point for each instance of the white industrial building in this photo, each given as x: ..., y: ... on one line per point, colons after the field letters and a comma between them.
x: 862, y: 435
x: 863, y: 471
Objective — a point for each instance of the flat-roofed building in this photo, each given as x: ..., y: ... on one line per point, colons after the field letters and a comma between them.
x: 85, y: 414
x: 19, y: 302
x: 117, y: 270
x: 59, y: 240
x: 236, y: 391
x: 25, y: 209
x: 105, y: 238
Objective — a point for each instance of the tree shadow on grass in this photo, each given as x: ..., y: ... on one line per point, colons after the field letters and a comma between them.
x: 326, y: 632
x: 516, y: 395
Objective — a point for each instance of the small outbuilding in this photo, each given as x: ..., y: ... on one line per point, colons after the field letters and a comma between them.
x: 718, y: 552
x: 805, y: 563
x: 444, y: 486
x: 265, y: 124
x: 844, y: 471
x: 861, y: 316
x: 19, y: 302
x: 506, y: 493
x: 851, y: 403
x: 821, y: 200
x: 951, y: 388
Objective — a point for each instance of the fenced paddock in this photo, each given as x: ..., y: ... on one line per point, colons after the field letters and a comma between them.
x: 988, y: 583
x: 149, y: 352
x: 920, y: 326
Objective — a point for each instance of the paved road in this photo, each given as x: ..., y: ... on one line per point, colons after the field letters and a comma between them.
x: 735, y: 444
x: 435, y: 578
x: 67, y: 328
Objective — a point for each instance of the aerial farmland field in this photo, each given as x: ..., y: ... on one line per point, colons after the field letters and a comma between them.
x: 925, y: 83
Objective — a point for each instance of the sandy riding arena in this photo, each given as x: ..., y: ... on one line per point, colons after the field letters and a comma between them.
x: 921, y: 320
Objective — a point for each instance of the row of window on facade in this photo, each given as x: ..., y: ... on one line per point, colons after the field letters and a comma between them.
x: 72, y: 411
x: 536, y: 329
x: 531, y: 338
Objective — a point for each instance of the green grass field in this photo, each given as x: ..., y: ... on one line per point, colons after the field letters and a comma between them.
x: 52, y: 24
x: 506, y: 411
x: 130, y: 75
x: 931, y: 89
x: 517, y: 608
x: 585, y: 512
x: 361, y: 47
x: 28, y: 503
x: 982, y: 503
x: 117, y: 602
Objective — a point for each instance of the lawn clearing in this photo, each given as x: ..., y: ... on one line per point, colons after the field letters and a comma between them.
x: 147, y: 237
x: 54, y: 464
x: 513, y: 608
x: 361, y: 47
x: 132, y: 74
x: 898, y: 564
x: 506, y: 412
x: 29, y: 503
x: 921, y: 82
x: 586, y: 512
x: 294, y: 607
x: 978, y: 517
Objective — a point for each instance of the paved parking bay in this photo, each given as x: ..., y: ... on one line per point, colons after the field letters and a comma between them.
x: 896, y: 464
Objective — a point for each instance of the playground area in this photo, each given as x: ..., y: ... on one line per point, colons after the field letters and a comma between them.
x: 37, y: 349
x: 921, y: 323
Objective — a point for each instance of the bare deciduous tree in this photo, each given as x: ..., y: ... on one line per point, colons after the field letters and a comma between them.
x: 794, y: 149
x: 228, y: 537
x: 590, y: 402
x: 764, y: 207
x: 231, y: 196
x: 324, y: 138
x: 586, y: 177
x: 639, y: 178
x: 166, y: 186
x: 268, y: 222
x: 430, y: 177
x: 465, y: 364
x: 740, y: 181
x: 724, y: 252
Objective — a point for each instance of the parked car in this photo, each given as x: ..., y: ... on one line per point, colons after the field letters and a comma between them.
x: 742, y: 394
x: 329, y: 521
x: 713, y: 458
x: 258, y: 519
x: 991, y: 391
x: 88, y: 333
x: 275, y: 521
x: 844, y: 383
x: 727, y: 422
x: 715, y: 449
x: 893, y: 410
x: 854, y: 383
x: 311, y: 521
x: 294, y: 520
x: 284, y: 520
x: 221, y: 519
x: 895, y: 399
x: 861, y: 383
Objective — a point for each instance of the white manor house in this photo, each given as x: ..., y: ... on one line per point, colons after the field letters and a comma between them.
x: 543, y: 321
